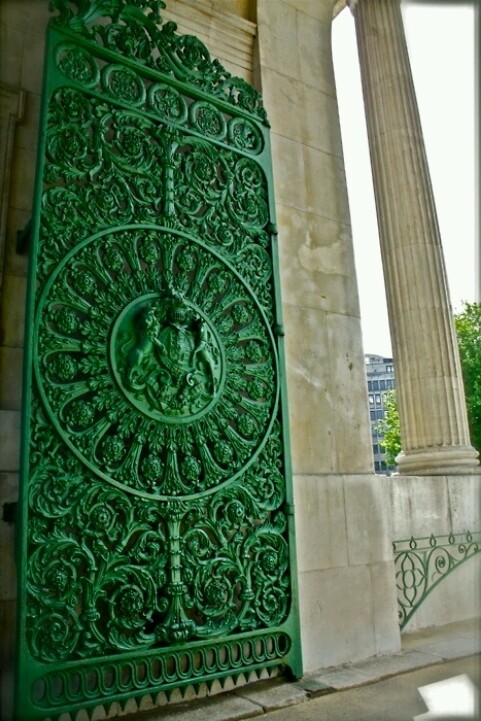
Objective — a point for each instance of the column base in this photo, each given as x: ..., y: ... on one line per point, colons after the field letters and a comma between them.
x: 441, y: 461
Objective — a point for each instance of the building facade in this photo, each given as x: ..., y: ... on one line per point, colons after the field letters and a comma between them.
x: 347, y: 516
x: 380, y: 379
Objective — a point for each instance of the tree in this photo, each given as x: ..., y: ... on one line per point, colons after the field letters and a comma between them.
x: 389, y: 428
x: 468, y: 329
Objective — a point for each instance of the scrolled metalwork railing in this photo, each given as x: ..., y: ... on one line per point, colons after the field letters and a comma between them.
x: 422, y: 563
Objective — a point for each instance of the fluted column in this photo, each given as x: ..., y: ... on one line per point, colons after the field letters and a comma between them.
x: 432, y: 409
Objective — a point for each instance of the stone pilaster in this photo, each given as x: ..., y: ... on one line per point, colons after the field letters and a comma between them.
x: 430, y: 392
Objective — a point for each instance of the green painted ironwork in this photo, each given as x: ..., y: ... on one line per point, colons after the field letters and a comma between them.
x: 422, y: 563
x: 156, y: 549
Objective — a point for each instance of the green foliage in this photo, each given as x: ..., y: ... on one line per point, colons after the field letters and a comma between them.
x: 389, y: 428
x: 468, y: 329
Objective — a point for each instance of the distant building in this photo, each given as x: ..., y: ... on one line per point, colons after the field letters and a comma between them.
x: 380, y: 378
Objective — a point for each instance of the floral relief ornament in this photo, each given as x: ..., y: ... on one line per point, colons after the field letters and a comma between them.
x: 136, y: 29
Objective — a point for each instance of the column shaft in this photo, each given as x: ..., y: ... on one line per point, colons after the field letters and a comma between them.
x: 432, y: 409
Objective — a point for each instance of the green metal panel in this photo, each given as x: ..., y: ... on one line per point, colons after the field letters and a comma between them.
x: 156, y: 544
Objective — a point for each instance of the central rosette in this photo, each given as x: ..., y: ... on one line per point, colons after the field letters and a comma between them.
x: 155, y: 362
x: 167, y: 358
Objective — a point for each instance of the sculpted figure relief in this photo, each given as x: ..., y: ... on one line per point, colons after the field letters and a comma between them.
x: 171, y: 358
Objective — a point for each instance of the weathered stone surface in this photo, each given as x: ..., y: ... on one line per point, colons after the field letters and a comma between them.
x: 277, y: 26
x: 32, y: 67
x: 310, y: 405
x: 276, y: 696
x: 423, y: 506
x: 319, y: 10
x: 385, y: 609
x: 226, y: 28
x: 289, y: 174
x: 325, y: 182
x: 227, y: 708
x: 26, y: 133
x: 368, y: 519
x: 11, y: 42
x: 11, y: 362
x: 8, y: 495
x: 321, y: 529
x: 348, y: 389
x: 420, y: 506
x: 457, y: 597
x: 336, y: 616
x: 23, y: 178
x: 314, y: 48
x: 390, y: 665
x: 9, y: 440
x: 16, y: 263
x: 12, y: 321
x: 316, y: 262
x: 464, y: 493
x: 7, y: 649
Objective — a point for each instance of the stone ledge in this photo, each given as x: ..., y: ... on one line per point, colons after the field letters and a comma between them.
x: 227, y: 708
x: 273, y: 695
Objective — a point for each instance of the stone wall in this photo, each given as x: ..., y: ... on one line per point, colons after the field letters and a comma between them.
x: 438, y: 505
x: 326, y: 380
x: 22, y: 27
x: 344, y: 513
x: 347, y: 596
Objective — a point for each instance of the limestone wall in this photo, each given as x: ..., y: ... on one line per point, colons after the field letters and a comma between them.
x: 22, y: 27
x: 438, y: 505
x: 343, y: 511
x: 345, y: 560
x: 327, y: 389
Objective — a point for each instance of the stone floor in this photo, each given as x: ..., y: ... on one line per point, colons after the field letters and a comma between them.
x: 381, y: 685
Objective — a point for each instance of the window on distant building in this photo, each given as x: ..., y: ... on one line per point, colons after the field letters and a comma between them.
x: 371, y: 399
x: 369, y: 385
x: 379, y: 414
x: 373, y: 415
x: 378, y: 399
x: 376, y: 465
x: 375, y: 385
x: 382, y: 385
x: 375, y: 448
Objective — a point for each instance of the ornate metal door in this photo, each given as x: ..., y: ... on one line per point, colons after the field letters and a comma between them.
x: 157, y: 545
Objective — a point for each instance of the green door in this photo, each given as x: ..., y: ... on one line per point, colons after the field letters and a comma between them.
x: 156, y: 544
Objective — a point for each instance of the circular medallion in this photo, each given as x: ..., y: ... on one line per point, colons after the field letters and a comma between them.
x: 155, y: 362
x: 167, y: 358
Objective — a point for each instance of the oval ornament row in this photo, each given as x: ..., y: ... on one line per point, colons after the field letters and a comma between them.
x: 125, y: 85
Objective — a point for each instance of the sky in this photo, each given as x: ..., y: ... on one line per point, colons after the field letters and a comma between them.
x: 440, y: 41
